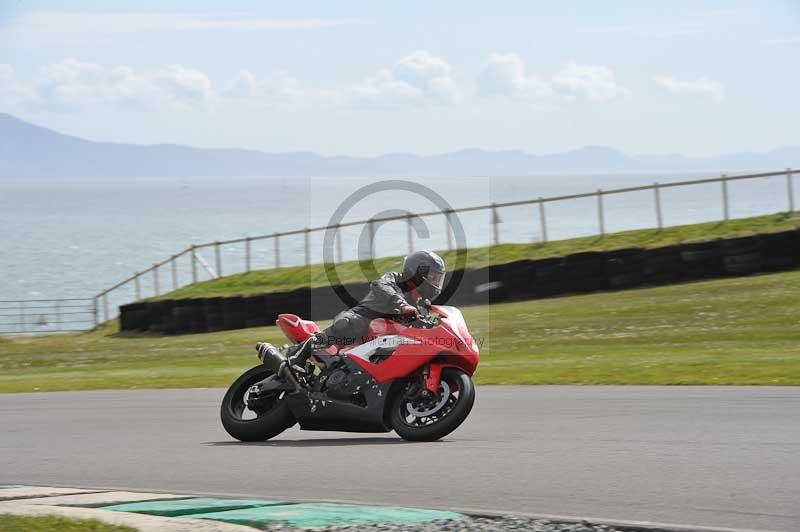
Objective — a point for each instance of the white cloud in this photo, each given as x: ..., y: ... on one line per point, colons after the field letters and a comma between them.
x: 420, y: 78
x: 60, y: 26
x: 505, y: 75
x: 699, y: 87
x: 244, y: 85
x: 72, y: 84
x: 384, y: 90
x: 278, y: 88
x: 588, y: 82
x: 183, y: 84
x: 417, y: 79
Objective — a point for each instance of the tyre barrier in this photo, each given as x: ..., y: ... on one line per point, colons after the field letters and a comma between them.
x: 662, y: 265
x: 781, y: 251
x: 213, y: 311
x: 549, y: 277
x: 519, y: 280
x: 624, y: 268
x: 741, y: 256
x: 515, y: 280
x: 585, y: 272
x: 702, y: 260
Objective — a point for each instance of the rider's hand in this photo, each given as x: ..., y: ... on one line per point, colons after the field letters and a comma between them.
x: 409, y: 313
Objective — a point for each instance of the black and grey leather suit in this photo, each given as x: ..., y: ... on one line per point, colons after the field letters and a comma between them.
x: 386, y: 295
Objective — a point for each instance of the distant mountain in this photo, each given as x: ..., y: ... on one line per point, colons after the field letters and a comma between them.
x: 27, y: 150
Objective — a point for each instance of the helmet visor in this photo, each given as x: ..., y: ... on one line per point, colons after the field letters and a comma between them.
x: 436, y: 279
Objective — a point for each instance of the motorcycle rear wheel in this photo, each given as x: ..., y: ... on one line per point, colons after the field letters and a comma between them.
x: 272, y: 418
x: 441, y: 416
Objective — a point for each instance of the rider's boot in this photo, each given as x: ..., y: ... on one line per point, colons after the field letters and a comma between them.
x: 298, y: 354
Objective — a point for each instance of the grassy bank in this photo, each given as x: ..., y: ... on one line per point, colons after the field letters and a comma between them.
x: 47, y: 523
x: 733, y: 331
x: 290, y: 278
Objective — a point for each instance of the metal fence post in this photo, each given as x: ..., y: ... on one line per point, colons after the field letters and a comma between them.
x: 277, y: 243
x: 790, y: 189
x: 543, y: 219
x: 95, y: 311
x: 725, y: 207
x: 247, y: 254
x: 194, y: 264
x: 601, y: 216
x: 137, y: 287
x: 218, y: 259
x: 447, y: 226
x: 657, y: 194
x: 409, y: 234
x: 338, y: 237
x: 495, y: 223
x: 173, y: 266
x: 371, y: 239
x: 105, y: 307
x: 307, y: 244
x: 156, y: 286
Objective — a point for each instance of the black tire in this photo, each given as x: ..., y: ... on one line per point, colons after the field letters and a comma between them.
x: 781, y: 250
x: 624, y: 261
x: 625, y: 280
x: 444, y: 425
x: 269, y: 423
x: 663, y: 264
x: 741, y: 246
x: 743, y: 264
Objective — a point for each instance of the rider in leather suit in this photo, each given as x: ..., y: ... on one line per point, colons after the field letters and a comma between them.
x: 393, y: 294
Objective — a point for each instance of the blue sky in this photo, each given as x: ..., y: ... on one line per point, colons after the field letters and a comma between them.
x: 363, y: 78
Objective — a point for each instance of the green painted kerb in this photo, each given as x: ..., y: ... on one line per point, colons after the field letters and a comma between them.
x: 188, y: 507
x: 312, y: 515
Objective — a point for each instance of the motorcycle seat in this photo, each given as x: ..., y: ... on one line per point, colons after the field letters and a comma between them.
x: 295, y: 328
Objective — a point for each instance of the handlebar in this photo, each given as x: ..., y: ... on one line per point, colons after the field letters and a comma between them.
x: 425, y: 318
x: 422, y: 322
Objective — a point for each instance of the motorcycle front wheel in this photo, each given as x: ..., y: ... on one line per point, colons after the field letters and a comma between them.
x: 254, y: 421
x: 438, y: 416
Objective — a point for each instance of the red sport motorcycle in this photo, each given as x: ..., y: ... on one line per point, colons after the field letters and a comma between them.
x: 412, y: 377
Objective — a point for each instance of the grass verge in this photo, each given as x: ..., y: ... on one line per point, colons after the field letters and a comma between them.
x: 732, y: 331
x: 47, y: 523
x: 290, y: 278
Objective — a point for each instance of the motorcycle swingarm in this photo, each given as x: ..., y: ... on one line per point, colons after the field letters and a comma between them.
x: 273, y: 383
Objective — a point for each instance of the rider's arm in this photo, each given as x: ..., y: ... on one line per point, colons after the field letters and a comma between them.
x: 388, y: 297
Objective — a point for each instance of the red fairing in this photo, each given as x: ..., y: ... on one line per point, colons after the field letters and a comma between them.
x: 450, y: 343
x: 296, y: 329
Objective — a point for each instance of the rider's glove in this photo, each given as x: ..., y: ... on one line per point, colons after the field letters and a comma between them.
x: 409, y: 313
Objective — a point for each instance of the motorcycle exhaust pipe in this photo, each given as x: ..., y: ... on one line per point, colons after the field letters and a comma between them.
x: 269, y: 355
x: 277, y: 363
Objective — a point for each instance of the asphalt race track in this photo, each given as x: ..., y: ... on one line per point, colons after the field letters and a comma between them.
x: 710, y: 456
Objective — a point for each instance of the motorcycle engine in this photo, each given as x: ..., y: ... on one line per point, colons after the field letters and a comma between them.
x: 342, y: 384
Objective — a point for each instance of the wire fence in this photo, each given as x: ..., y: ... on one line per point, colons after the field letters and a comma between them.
x: 47, y: 315
x: 163, y: 275
x: 203, y: 261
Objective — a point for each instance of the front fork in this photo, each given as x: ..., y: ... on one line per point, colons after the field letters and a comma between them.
x: 432, y: 374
